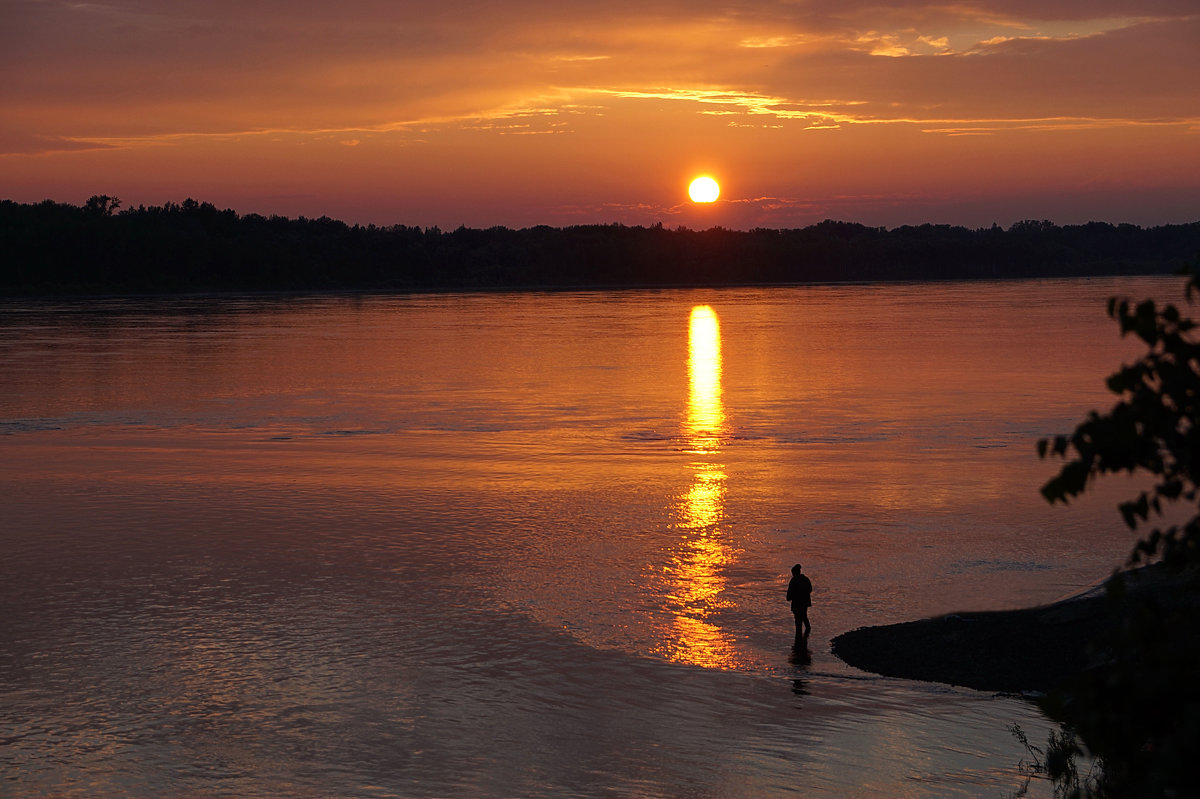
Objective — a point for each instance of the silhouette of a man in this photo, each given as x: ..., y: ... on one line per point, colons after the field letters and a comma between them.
x: 799, y: 593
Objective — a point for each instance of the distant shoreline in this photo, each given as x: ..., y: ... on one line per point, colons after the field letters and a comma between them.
x: 56, y: 250
x: 283, y: 294
x: 1033, y: 650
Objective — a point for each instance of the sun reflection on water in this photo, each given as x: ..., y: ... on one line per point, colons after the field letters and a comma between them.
x: 695, y: 573
x: 705, y: 413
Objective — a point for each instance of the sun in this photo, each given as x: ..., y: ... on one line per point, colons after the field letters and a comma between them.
x: 704, y: 190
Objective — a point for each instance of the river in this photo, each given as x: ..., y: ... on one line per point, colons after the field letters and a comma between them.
x: 530, y: 544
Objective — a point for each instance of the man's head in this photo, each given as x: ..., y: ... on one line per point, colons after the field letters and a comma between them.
x: 796, y: 569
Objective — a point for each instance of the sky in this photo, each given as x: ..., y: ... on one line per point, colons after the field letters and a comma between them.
x: 558, y: 112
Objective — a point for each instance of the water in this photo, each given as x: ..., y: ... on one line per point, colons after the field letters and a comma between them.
x: 529, y: 544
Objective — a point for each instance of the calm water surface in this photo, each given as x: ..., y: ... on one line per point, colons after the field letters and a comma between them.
x: 529, y: 544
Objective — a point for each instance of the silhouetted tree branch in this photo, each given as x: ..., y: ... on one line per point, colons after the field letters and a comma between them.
x: 1138, y: 709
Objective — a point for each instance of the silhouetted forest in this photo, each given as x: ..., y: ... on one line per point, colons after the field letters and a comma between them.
x: 56, y: 248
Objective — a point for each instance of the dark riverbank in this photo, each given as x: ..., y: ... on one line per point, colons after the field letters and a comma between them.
x: 1029, y: 650
x: 56, y: 249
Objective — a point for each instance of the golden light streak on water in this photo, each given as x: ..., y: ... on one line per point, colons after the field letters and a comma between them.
x: 705, y: 413
x: 704, y: 503
x: 695, y: 574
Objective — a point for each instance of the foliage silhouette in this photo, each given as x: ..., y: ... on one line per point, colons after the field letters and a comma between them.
x: 1058, y: 762
x: 55, y: 248
x: 1138, y: 709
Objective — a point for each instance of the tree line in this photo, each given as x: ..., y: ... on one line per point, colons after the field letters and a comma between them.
x: 58, y: 248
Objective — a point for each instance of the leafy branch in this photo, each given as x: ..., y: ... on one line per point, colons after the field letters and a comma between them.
x: 1137, y: 709
x: 1153, y: 428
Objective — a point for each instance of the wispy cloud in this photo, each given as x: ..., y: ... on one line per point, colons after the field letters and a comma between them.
x: 18, y: 143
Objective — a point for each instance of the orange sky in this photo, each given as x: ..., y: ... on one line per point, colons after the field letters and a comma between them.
x: 553, y: 112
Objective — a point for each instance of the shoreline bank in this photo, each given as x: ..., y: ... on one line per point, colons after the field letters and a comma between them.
x: 1032, y: 650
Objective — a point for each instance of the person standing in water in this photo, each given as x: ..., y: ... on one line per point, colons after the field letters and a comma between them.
x: 799, y: 593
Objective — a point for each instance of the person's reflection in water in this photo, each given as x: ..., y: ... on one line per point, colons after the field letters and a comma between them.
x: 801, y: 658
x: 799, y: 593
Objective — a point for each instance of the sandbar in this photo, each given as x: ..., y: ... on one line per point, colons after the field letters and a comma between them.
x: 1032, y: 650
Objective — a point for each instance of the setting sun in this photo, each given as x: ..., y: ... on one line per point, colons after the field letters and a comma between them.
x: 704, y: 190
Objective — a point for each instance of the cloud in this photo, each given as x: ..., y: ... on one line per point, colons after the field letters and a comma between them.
x: 18, y: 143
x: 1141, y: 72
x: 140, y: 69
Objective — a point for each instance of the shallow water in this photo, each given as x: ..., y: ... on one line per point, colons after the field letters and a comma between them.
x: 529, y: 544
